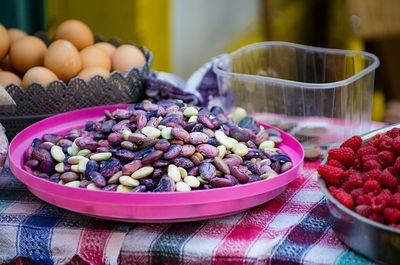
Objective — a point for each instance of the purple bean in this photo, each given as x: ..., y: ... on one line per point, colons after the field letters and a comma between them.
x: 239, y: 173
x: 51, y: 137
x: 122, y: 114
x: 152, y: 157
x: 33, y: 163
x: 233, y: 161
x: 160, y: 163
x: 115, y: 138
x: 173, y: 151
x: 97, y: 178
x: 110, y: 187
x: 28, y: 153
x: 234, y: 180
x: 87, y: 143
x: 162, y: 145
x: 140, y: 188
x: 90, y: 126
x: 36, y: 142
x: 276, y: 166
x: 194, y: 171
x: 239, y: 134
x: 55, y: 177
x: 207, y: 171
x: 69, y: 176
x: 221, y: 182
x: 207, y: 150
x: 188, y: 150
x: 198, y: 138
x: 180, y: 134
x: 143, y: 153
x: 280, y: 158
x: 41, y: 154
x: 166, y: 184
x: 64, y: 142
x: 131, y: 167
x: 111, y: 167
x: 106, y: 126
x: 183, y: 162
x: 46, y: 145
x: 125, y: 155
x: 91, y: 165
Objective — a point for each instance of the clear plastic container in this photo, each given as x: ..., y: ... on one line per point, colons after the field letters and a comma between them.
x: 322, y: 95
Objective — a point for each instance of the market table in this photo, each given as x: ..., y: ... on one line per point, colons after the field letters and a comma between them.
x: 294, y: 228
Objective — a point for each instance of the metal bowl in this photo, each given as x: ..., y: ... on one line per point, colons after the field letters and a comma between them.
x: 371, y: 239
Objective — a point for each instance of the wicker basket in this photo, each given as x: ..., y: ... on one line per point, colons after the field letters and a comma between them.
x: 37, y: 102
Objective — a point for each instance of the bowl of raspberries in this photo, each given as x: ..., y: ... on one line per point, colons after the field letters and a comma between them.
x: 361, y: 180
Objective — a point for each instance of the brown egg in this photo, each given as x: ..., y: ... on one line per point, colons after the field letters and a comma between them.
x: 39, y: 75
x: 107, y: 47
x: 127, y: 56
x: 26, y: 53
x: 5, y: 64
x: 4, y: 41
x: 15, y: 34
x: 63, y: 59
x: 94, y: 56
x: 89, y: 72
x: 7, y: 78
x: 76, y: 32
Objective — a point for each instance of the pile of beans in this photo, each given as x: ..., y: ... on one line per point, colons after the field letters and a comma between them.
x: 161, y: 147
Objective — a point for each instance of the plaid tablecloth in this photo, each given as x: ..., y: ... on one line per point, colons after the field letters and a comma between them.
x: 294, y: 228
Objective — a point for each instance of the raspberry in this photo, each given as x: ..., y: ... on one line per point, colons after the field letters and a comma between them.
x: 391, y: 215
x: 332, y: 189
x: 344, y: 198
x: 396, y: 165
x: 366, y: 150
x: 372, y: 186
x: 332, y: 175
x: 387, y: 180
x: 357, y: 164
x: 364, y: 200
x: 377, y: 217
x: 353, y: 142
x: 356, y: 180
x: 386, y: 158
x: 378, y: 204
x: 356, y: 193
x: 345, y: 155
x: 371, y: 175
x: 394, y: 201
x: 364, y: 210
x: 395, y: 226
x: 393, y: 133
x: 385, y: 194
x: 347, y: 173
x: 369, y: 157
x: 371, y: 164
x: 347, y: 186
x: 386, y: 145
x: 335, y: 163
x: 396, y: 144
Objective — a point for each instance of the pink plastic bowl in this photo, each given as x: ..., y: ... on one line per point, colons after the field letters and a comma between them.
x: 144, y: 207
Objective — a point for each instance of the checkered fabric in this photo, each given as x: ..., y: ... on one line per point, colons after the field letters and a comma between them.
x: 294, y: 228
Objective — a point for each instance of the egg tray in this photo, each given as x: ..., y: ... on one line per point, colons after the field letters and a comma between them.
x: 37, y: 102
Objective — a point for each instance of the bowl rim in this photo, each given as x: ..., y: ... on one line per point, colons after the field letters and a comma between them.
x: 323, y: 187
x: 344, y: 82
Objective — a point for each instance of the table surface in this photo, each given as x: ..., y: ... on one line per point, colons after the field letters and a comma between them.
x: 294, y: 228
